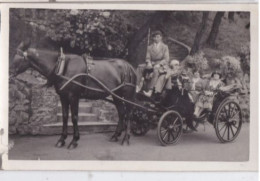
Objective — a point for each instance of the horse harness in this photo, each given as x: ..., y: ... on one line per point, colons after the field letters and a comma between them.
x: 59, y: 70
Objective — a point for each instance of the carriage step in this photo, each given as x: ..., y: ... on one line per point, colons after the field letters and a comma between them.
x: 83, y: 117
x: 84, y: 107
x: 84, y: 127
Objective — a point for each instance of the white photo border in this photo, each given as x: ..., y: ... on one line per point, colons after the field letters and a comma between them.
x: 251, y: 165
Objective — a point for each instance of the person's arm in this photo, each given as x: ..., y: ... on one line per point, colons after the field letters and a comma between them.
x: 166, y: 56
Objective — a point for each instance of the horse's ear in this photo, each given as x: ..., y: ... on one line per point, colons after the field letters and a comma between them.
x: 20, y: 46
x: 24, y: 45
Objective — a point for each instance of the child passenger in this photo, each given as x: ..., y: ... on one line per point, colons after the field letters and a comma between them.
x: 205, y: 100
x: 195, y: 85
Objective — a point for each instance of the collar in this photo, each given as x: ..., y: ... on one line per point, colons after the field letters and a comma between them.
x: 157, y: 44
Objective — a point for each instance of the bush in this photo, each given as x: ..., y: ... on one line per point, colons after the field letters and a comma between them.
x: 244, y: 55
x: 198, y: 61
x: 97, y: 32
x: 231, y: 66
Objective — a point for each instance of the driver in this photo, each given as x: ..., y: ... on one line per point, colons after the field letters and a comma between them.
x: 158, y: 57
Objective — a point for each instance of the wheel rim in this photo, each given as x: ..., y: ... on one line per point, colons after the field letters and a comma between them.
x: 170, y: 128
x: 228, y: 122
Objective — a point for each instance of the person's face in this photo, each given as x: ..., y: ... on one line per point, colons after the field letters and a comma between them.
x: 196, y: 74
x: 157, y: 38
x: 216, y: 76
x: 174, y: 65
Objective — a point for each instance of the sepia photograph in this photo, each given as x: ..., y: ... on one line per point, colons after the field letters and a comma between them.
x: 148, y: 85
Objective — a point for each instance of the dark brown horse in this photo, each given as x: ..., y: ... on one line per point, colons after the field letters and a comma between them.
x: 111, y: 73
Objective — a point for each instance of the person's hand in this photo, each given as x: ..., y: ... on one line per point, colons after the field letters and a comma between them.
x: 149, y: 65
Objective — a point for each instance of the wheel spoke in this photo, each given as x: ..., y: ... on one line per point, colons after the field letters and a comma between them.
x: 233, y: 109
x: 169, y: 136
x: 222, y: 127
x: 232, y: 130
x: 173, y: 137
x: 163, y: 131
x: 224, y: 132
x: 165, y: 135
x: 235, y: 114
x: 175, y: 120
x: 226, y: 111
x: 177, y: 125
x: 228, y: 132
x: 235, y: 126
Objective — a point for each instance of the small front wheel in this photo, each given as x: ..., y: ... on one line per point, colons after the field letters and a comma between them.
x: 170, y: 128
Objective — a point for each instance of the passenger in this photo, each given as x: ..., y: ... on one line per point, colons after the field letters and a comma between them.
x: 195, y: 85
x: 205, y: 100
x: 164, y: 80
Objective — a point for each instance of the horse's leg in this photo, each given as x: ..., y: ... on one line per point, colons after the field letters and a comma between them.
x: 127, y: 125
x: 65, y: 112
x: 129, y: 94
x: 121, y: 115
x: 74, y: 106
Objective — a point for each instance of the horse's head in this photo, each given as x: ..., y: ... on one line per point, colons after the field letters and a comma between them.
x: 20, y: 62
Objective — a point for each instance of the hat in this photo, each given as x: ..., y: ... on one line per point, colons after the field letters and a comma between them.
x: 156, y: 33
x: 216, y: 72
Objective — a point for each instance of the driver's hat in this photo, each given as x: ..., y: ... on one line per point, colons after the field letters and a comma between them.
x: 157, y: 32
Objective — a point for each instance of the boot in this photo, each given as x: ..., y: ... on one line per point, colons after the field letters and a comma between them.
x: 148, y: 93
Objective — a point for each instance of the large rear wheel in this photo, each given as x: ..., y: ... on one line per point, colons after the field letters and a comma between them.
x: 228, y: 121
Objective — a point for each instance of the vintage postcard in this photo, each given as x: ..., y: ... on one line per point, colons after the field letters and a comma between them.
x: 153, y: 87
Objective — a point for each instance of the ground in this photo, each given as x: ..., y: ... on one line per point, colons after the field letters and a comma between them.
x: 196, y: 146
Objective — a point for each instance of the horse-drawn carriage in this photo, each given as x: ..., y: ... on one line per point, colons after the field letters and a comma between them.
x: 117, y: 78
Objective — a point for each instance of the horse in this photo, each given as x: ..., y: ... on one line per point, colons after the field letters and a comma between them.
x: 112, y: 73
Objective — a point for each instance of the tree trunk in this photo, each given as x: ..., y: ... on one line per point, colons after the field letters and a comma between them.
x: 134, y: 42
x: 214, y: 30
x: 231, y: 16
x: 199, y: 34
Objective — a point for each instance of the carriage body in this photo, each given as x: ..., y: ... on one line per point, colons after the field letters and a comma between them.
x: 174, y: 111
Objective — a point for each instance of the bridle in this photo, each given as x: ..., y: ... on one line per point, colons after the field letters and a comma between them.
x: 22, y: 53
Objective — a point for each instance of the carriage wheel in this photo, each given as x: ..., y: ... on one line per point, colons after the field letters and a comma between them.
x: 228, y: 121
x: 139, y: 128
x: 170, y: 128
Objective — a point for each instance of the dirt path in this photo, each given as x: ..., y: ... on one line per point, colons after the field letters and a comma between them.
x: 199, y: 146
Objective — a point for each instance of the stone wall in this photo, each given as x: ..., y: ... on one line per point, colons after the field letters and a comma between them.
x: 30, y: 104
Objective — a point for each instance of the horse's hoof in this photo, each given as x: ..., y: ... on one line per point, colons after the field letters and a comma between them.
x: 126, y: 138
x: 60, y: 144
x: 72, y: 146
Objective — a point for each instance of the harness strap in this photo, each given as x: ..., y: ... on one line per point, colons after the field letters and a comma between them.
x: 60, y: 63
x: 106, y: 90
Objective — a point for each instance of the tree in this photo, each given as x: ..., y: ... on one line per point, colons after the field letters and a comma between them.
x: 135, y: 40
x: 231, y: 16
x: 215, y: 29
x: 200, y: 33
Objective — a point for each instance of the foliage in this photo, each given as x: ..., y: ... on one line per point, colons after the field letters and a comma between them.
x: 89, y: 31
x: 244, y: 55
x: 231, y: 66
x: 198, y: 61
